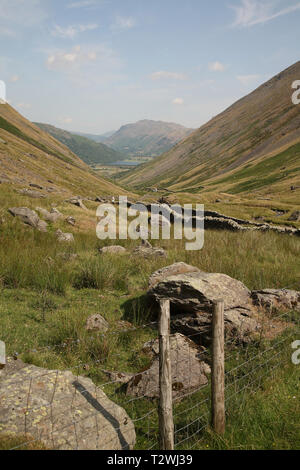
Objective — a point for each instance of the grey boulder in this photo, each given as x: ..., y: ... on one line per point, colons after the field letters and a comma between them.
x: 61, y: 410
x: 192, y: 296
x: 189, y: 371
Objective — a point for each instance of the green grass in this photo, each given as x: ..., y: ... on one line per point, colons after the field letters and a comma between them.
x: 46, y: 300
x: 7, y: 126
x: 264, y: 173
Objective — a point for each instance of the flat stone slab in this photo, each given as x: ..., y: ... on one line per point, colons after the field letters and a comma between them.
x: 61, y: 410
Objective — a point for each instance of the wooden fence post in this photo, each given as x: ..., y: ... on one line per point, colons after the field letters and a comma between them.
x: 166, y: 424
x: 2, y: 355
x: 218, y: 368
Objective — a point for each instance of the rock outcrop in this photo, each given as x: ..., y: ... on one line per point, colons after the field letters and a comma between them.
x: 192, y: 295
x: 276, y: 300
x: 28, y: 217
x: 77, y: 201
x: 189, y: 371
x: 173, y: 270
x: 52, y: 216
x: 61, y: 410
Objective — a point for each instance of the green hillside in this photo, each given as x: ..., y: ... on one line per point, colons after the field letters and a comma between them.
x: 251, y: 146
x: 89, y: 151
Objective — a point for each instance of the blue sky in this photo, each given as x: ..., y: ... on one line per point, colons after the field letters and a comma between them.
x: 94, y: 65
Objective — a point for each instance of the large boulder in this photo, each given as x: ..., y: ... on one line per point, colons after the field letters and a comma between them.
x: 173, y: 270
x: 189, y: 371
x: 64, y: 411
x: 27, y: 216
x: 275, y: 300
x: 192, y: 296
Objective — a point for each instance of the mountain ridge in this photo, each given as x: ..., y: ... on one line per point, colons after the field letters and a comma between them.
x: 260, y: 124
x: 91, y: 152
x: 147, y: 137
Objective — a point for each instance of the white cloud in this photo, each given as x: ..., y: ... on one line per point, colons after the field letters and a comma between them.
x: 178, y: 101
x: 253, y: 12
x: 72, y: 30
x: 123, y: 23
x: 68, y: 60
x: 161, y: 75
x: 14, y: 78
x: 247, y: 80
x: 216, y: 67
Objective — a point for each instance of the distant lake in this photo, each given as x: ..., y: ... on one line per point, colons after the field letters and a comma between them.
x: 124, y: 163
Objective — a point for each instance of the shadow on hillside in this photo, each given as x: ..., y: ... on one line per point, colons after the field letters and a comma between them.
x: 139, y: 311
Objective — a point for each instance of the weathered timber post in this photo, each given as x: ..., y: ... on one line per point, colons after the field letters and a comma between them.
x: 2, y: 355
x: 218, y: 366
x: 166, y: 424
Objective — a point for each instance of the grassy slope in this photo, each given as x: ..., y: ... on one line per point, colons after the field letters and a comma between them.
x: 262, y: 125
x: 46, y: 301
x: 89, y: 151
x: 29, y: 155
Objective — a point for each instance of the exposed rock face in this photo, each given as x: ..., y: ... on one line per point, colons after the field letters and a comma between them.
x: 32, y: 193
x: 28, y: 216
x: 277, y: 299
x: 51, y: 216
x: 77, y: 201
x: 97, y: 323
x: 173, y: 270
x: 192, y: 297
x: 63, y: 411
x: 114, y: 250
x: 149, y: 252
x: 189, y: 372
x: 64, y: 237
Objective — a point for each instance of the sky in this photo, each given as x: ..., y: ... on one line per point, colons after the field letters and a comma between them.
x: 94, y: 65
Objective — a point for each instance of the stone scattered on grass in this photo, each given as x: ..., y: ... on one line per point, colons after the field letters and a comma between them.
x: 71, y: 221
x: 97, y: 323
x: 149, y: 252
x: 115, y: 250
x: 64, y: 237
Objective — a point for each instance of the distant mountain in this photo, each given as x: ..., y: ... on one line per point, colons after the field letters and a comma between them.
x: 31, y: 157
x: 89, y: 151
x: 253, y: 145
x: 147, y: 138
x: 96, y: 138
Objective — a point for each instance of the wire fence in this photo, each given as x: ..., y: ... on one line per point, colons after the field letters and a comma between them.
x: 65, y: 409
